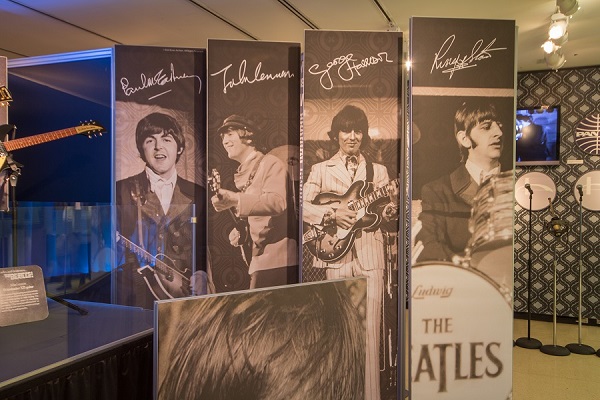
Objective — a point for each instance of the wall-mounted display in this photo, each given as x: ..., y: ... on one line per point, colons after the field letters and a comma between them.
x: 590, y: 186
x: 587, y: 134
x: 538, y: 136
x: 542, y: 188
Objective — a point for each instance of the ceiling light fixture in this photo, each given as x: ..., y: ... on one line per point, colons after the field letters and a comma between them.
x: 549, y: 46
x: 556, y: 59
x: 558, y: 26
x: 567, y: 7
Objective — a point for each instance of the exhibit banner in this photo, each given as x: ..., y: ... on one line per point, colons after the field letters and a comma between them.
x: 253, y: 163
x: 159, y: 173
x: 462, y: 179
x: 293, y: 342
x: 350, y: 192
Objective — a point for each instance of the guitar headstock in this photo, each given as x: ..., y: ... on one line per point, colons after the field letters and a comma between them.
x: 90, y: 128
x: 5, y: 96
x: 214, y: 181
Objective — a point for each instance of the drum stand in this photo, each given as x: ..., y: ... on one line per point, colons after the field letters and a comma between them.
x: 529, y: 342
x: 579, y: 348
x: 557, y: 227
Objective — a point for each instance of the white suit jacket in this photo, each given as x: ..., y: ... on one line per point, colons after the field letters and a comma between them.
x: 333, y: 177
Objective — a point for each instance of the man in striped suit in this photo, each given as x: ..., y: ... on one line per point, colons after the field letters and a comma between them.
x: 349, y: 129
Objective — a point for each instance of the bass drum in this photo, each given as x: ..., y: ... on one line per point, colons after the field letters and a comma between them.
x: 461, y: 334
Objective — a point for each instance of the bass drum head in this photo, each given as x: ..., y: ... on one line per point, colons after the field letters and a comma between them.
x: 461, y: 334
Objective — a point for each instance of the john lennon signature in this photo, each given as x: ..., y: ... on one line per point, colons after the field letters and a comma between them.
x: 160, y: 78
x: 242, y: 78
x: 451, y: 64
x: 347, y: 67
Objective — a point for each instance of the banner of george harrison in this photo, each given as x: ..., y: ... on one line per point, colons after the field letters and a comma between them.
x: 462, y: 119
x: 160, y: 193
x: 253, y: 163
x: 350, y: 194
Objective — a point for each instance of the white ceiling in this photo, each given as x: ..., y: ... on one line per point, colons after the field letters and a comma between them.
x: 41, y: 27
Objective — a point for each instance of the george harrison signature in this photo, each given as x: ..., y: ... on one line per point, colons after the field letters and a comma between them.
x: 242, y: 78
x: 160, y: 78
x: 451, y: 64
x: 347, y: 68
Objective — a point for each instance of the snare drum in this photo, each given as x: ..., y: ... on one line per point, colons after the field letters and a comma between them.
x: 461, y: 334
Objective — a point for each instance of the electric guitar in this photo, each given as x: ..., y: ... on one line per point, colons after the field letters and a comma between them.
x: 164, y: 281
x: 88, y: 129
x: 332, y: 243
x: 241, y: 224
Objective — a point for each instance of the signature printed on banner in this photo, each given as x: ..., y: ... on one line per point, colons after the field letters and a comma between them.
x: 347, y: 69
x: 449, y: 63
x: 243, y: 78
x: 160, y: 78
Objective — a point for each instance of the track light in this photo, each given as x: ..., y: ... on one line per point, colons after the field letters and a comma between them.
x: 567, y: 7
x: 556, y: 59
x: 549, y: 46
x: 558, y: 25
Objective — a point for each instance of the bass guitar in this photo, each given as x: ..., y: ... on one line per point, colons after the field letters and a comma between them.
x: 244, y: 242
x: 332, y: 243
x: 163, y: 279
x: 88, y: 129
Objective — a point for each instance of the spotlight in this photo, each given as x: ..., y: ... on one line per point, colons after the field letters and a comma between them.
x: 549, y: 46
x: 558, y: 25
x: 556, y: 59
x: 567, y: 7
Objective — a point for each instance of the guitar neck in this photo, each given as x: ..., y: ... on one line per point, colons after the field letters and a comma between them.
x: 17, y: 144
x: 370, y: 198
x: 149, y: 258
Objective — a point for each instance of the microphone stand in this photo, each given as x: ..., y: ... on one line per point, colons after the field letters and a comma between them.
x: 529, y: 342
x: 579, y: 348
x: 557, y: 227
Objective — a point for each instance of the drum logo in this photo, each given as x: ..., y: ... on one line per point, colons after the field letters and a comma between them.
x: 587, y: 135
x: 421, y: 292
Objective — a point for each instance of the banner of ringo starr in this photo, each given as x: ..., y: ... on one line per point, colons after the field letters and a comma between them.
x: 462, y: 115
x: 253, y: 163
x: 160, y: 173
x: 352, y: 122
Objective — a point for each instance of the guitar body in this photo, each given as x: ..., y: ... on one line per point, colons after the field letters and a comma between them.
x: 244, y: 242
x: 160, y: 273
x: 333, y: 243
x: 165, y: 283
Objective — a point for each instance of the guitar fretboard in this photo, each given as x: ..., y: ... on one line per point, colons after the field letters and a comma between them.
x: 359, y: 204
x: 159, y: 265
x: 41, y: 138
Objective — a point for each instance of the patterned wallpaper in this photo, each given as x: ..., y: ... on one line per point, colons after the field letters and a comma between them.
x: 577, y: 91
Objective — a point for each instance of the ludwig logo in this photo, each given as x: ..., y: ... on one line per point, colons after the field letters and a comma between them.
x: 587, y: 135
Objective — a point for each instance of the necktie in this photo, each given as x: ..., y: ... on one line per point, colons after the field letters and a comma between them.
x: 352, y: 165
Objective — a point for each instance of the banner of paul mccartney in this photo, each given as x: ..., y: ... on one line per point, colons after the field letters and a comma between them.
x: 160, y: 173
x: 462, y: 119
x: 350, y: 194
x: 253, y: 163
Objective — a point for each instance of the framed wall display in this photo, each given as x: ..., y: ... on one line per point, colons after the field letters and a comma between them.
x: 537, y: 136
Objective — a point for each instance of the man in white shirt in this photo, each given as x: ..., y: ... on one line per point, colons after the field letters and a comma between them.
x: 156, y: 229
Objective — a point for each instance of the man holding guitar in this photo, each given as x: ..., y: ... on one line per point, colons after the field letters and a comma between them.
x: 328, y: 208
x: 156, y: 230
x: 263, y: 201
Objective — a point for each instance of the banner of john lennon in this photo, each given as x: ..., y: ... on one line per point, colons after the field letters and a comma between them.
x: 253, y: 162
x: 462, y: 110
x: 160, y: 175
x: 351, y: 141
